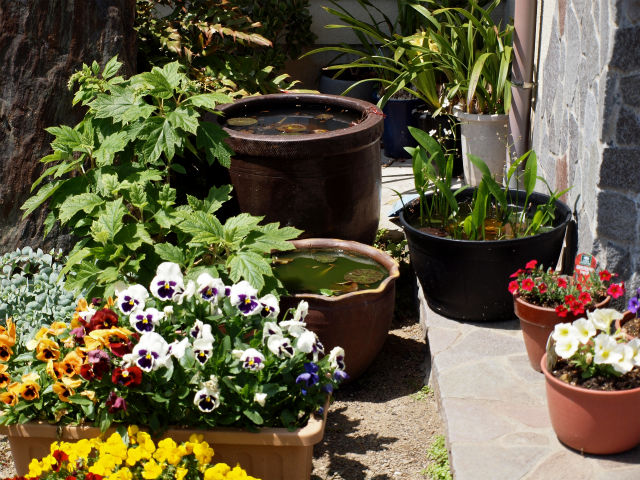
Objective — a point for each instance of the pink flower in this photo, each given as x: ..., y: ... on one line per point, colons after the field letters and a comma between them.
x: 562, y: 311
x: 531, y: 264
x: 516, y: 273
x: 527, y: 284
x: 542, y: 288
x: 605, y: 276
x: 562, y: 283
x: 513, y: 287
x: 616, y: 290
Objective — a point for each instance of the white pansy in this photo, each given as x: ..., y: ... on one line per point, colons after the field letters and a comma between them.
x: 336, y: 358
x: 301, y: 311
x: 168, y: 310
x: 260, y: 398
x: 295, y: 328
x: 207, y: 399
x: 201, y: 330
x: 623, y: 360
x: 186, y: 293
x: 269, y: 306
x: 603, y: 317
x: 210, y: 288
x: 567, y: 347
x: 605, y: 351
x: 243, y: 296
x: 252, y: 359
x: 145, y: 320
x: 202, y: 349
x: 237, y: 354
x: 280, y: 346
x: 584, y: 330
x: 168, y: 282
x: 131, y: 299
x: 308, y: 342
x: 178, y: 348
x: 151, y: 352
x: 270, y: 328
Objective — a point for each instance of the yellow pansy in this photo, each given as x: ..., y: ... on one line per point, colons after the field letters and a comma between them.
x: 122, y: 474
x: 181, y: 472
x: 47, y: 350
x: 8, y: 334
x: 5, y: 378
x: 217, y: 472
x: 33, y: 343
x: 56, y: 328
x: 12, y: 395
x: 203, y: 452
x: 151, y: 470
x: 34, y: 469
x: 29, y: 390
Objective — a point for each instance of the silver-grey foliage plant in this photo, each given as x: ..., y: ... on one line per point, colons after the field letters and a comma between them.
x: 31, y: 290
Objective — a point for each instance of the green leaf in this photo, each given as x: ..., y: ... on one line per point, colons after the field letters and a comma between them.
x: 170, y: 253
x: 210, y: 137
x: 107, y: 183
x: 204, y: 227
x: 248, y: 265
x: 109, y: 222
x: 167, y: 196
x: 530, y: 173
x: 236, y: 228
x: 176, y: 167
x: 111, y: 145
x: 161, y: 82
x: 475, y: 76
x: 39, y: 198
x: 67, y: 139
x: 111, y: 68
x: 185, y: 119
x: 160, y: 139
x: 165, y: 218
x: 121, y: 105
x: 133, y: 235
x: 208, y: 100
x: 138, y: 196
x: 254, y: 416
x: 85, y: 202
x: 108, y: 275
x: 274, y: 238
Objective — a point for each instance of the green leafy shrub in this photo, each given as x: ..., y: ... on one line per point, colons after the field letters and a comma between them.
x: 237, y: 47
x: 110, y: 183
x: 31, y: 291
x: 439, y: 468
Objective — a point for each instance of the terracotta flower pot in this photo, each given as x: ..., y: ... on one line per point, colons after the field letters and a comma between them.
x: 359, y: 321
x: 592, y: 421
x: 270, y: 454
x: 620, y: 323
x: 537, y: 323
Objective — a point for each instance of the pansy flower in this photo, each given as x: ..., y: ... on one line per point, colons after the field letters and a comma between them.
x: 336, y: 358
x: 65, y: 388
x: 178, y: 348
x: 243, y: 296
x: 201, y: 330
x: 206, y: 399
x: 270, y: 328
x: 203, y: 349
x: 12, y: 395
x: 209, y: 288
x: 115, y: 403
x: 308, y: 342
x: 280, y: 346
x: 301, y: 311
x: 150, y: 353
x: 130, y: 376
x: 103, y: 319
x: 47, y: 350
x: 269, y: 306
x: 145, y: 320
x: 168, y: 281
x: 30, y: 390
x: 5, y: 378
x: 71, y: 363
x: 8, y: 334
x: 252, y: 359
x: 295, y: 328
x: 309, y: 377
x: 131, y: 299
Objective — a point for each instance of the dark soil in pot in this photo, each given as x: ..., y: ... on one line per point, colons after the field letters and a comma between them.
x: 467, y: 280
x: 572, y: 375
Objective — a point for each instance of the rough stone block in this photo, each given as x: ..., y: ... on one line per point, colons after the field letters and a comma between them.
x: 609, y: 106
x: 628, y: 128
x: 590, y: 118
x: 615, y: 257
x: 617, y: 216
x: 630, y: 90
x: 631, y: 9
x: 475, y: 462
x: 619, y: 169
x: 603, y: 16
x: 625, y: 49
x: 572, y: 60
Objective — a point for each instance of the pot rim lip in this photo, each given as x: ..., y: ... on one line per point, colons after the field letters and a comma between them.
x: 517, y: 298
x: 603, y: 393
x: 407, y: 227
x: 479, y: 117
x: 393, y: 269
x: 371, y: 117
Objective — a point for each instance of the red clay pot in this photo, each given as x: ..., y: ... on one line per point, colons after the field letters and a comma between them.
x: 592, y: 421
x: 620, y: 323
x: 359, y: 321
x: 537, y: 323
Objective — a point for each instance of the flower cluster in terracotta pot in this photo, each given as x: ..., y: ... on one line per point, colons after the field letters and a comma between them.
x: 548, y: 288
x: 132, y: 456
x: 591, y: 350
x: 182, y: 352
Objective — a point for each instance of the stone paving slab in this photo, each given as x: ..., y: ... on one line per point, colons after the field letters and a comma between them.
x: 494, y: 409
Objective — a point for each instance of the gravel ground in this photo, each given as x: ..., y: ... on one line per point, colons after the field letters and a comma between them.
x: 379, y: 426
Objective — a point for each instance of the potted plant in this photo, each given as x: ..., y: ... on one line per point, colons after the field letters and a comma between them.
x: 593, y: 385
x: 132, y: 455
x: 186, y: 353
x: 543, y: 298
x: 465, y: 243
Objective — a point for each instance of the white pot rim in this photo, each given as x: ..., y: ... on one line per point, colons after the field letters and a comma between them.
x: 479, y: 117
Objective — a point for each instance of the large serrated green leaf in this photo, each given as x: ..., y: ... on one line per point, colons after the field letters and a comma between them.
x: 121, y: 105
x: 273, y: 237
x: 138, y: 196
x: 39, y: 198
x: 248, y: 265
x: 108, y: 148
x: 236, y: 228
x: 85, y: 202
x: 67, y: 139
x: 210, y: 137
x: 109, y: 222
x: 204, y: 228
x: 208, y: 100
x: 184, y: 118
x: 133, y: 235
x: 170, y: 253
x: 160, y: 139
x: 111, y: 67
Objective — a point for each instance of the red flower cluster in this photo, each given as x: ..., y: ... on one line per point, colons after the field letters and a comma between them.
x: 550, y: 289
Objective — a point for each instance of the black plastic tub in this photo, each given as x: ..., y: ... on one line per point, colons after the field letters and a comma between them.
x: 467, y: 280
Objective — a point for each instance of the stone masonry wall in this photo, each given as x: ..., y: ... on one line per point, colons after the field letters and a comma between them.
x: 586, y: 122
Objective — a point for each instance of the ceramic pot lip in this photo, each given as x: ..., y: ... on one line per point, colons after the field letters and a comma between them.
x: 494, y: 243
x: 372, y: 118
x: 384, y: 259
x: 518, y: 299
x: 580, y: 390
x: 479, y: 117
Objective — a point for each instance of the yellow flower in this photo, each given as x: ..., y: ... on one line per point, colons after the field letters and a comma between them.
x: 116, y: 447
x: 33, y: 343
x: 12, y: 395
x: 8, y: 334
x: 203, y: 452
x: 47, y: 350
x: 66, y: 388
x: 217, y: 472
x: 146, y: 445
x: 132, y: 431
x: 151, y: 470
x: 56, y: 328
x: 34, y: 469
x: 5, y: 378
x: 29, y: 390
x: 134, y: 455
x: 72, y: 362
x: 181, y: 472
x: 122, y: 474
x: 418, y: 39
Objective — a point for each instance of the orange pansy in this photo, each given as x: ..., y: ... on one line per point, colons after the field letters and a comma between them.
x: 4, y: 376
x: 29, y: 390
x: 8, y: 334
x: 12, y: 395
x: 47, y: 350
x: 72, y: 362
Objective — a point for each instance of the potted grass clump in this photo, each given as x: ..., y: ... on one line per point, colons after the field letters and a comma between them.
x: 464, y: 243
x: 593, y: 384
x: 543, y: 298
x: 192, y: 354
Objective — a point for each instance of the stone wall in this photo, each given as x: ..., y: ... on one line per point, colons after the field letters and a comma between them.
x: 586, y: 122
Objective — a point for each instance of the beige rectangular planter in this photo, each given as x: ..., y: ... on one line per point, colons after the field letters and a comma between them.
x: 270, y: 454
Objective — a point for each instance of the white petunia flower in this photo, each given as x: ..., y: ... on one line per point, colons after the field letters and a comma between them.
x: 566, y: 347
x: 602, y: 318
x: 584, y: 330
x: 131, y: 299
x: 624, y: 358
x: 564, y: 331
x: 168, y: 282
x: 605, y: 349
x: 635, y: 347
